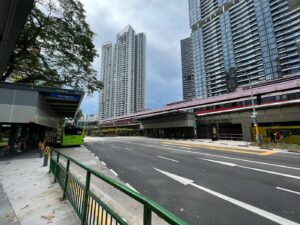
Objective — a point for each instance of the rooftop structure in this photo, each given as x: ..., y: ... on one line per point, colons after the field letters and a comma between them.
x: 190, y: 105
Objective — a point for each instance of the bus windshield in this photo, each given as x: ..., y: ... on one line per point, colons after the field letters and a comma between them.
x: 73, y: 131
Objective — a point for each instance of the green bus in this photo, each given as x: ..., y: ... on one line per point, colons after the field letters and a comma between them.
x: 72, y: 136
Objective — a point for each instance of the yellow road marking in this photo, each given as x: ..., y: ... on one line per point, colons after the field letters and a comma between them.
x: 226, y: 149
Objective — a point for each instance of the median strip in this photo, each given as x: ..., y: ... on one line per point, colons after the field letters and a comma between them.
x: 221, y: 148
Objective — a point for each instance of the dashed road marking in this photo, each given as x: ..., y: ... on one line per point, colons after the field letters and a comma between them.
x: 166, y: 145
x: 129, y: 149
x: 287, y: 190
x: 128, y: 185
x: 220, y: 162
x: 114, y: 172
x: 252, y: 168
x: 173, y: 160
x: 251, y: 161
x: 185, y: 147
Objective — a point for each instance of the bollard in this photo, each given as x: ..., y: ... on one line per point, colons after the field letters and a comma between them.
x: 46, y: 154
x: 41, y: 149
x: 41, y: 153
x: 45, y: 160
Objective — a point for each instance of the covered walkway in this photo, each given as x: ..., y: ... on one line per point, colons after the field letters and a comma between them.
x: 30, y: 114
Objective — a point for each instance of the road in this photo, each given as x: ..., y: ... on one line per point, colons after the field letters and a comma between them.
x: 205, y: 186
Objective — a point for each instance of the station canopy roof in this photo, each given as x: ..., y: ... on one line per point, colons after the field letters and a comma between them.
x: 64, y: 102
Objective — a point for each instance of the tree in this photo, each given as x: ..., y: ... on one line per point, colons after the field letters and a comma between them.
x: 55, y: 48
x: 78, y: 115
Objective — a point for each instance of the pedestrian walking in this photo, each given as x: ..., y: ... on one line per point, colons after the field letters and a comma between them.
x: 272, y: 137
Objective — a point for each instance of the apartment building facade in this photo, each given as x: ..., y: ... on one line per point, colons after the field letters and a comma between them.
x: 237, y: 41
x: 123, y: 73
x: 188, y: 84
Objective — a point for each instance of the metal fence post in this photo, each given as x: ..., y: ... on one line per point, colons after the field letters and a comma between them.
x: 66, y: 179
x: 85, y: 198
x: 50, y: 160
x: 147, y: 215
x: 56, y: 167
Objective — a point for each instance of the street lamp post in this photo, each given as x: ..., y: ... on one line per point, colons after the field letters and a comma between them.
x: 254, y: 115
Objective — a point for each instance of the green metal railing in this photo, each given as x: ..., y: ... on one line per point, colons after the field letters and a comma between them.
x: 90, y: 209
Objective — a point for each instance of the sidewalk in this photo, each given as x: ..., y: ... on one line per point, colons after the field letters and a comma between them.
x: 29, y: 196
x: 7, y: 213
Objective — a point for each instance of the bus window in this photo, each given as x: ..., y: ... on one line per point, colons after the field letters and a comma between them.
x: 73, y: 131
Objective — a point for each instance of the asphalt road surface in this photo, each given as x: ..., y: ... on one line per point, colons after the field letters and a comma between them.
x: 205, y: 186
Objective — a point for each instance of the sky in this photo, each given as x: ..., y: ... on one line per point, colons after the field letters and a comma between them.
x: 165, y: 24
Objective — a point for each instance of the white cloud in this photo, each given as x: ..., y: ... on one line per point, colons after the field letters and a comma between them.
x: 164, y: 22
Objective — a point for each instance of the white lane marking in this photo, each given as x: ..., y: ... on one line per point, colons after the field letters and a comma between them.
x: 271, y: 172
x: 129, y: 149
x: 165, y: 145
x: 173, y: 160
x: 221, y: 162
x: 185, y: 147
x: 284, y: 189
x: 251, y: 161
x: 252, y: 168
x: 128, y: 185
x: 225, y: 157
x: 251, y: 208
x: 114, y: 172
x: 182, y: 180
x: 103, y: 163
x: 97, y: 157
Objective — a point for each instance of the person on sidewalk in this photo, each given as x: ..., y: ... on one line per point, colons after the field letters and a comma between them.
x: 277, y: 136
x: 272, y: 137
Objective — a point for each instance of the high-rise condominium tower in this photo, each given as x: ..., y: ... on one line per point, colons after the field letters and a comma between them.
x: 188, y: 84
x: 123, y: 73
x: 237, y: 40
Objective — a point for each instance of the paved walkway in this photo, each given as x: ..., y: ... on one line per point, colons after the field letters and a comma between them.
x: 29, y: 197
x: 7, y: 213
